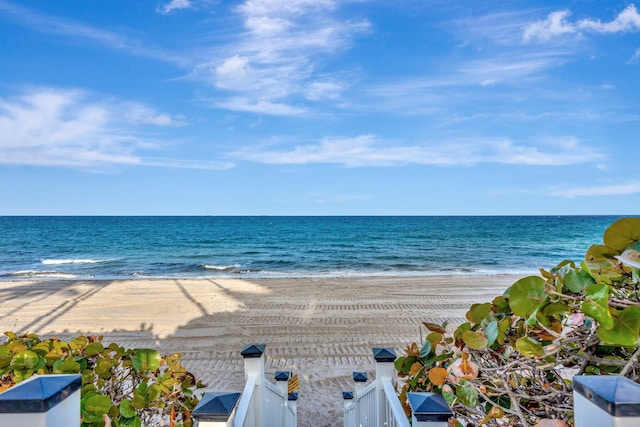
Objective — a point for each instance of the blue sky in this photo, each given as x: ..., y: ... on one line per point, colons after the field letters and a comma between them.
x: 319, y: 107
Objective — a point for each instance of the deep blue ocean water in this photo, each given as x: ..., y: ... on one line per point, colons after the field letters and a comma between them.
x: 160, y: 247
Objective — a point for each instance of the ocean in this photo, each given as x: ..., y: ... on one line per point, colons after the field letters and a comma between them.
x: 99, y: 248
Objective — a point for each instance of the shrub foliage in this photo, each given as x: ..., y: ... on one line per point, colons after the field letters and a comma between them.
x: 513, y: 361
x: 124, y: 387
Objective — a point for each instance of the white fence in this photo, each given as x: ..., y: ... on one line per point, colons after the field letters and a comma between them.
x: 376, y: 404
x: 54, y: 401
x: 261, y: 404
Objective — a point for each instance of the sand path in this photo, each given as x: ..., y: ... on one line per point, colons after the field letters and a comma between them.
x: 321, y: 328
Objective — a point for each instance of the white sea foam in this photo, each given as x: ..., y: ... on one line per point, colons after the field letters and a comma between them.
x: 221, y: 267
x: 70, y: 261
x: 42, y: 274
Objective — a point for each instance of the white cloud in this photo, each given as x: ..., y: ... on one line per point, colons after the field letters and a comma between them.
x: 55, y: 25
x: 53, y: 127
x: 557, y: 24
x: 67, y: 127
x: 626, y: 21
x: 260, y: 106
x: 275, y: 61
x: 174, y: 5
x: 368, y: 150
x: 164, y: 120
x: 234, y: 73
x: 604, y: 190
x: 324, y: 90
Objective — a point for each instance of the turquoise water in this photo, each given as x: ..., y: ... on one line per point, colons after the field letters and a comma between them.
x: 155, y: 247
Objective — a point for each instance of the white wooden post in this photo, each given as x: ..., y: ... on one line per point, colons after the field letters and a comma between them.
x: 216, y: 409
x: 254, y: 365
x: 429, y: 410
x: 606, y: 401
x: 293, y: 404
x: 42, y: 401
x: 385, y: 371
x: 282, y: 382
x: 359, y: 383
x: 348, y: 401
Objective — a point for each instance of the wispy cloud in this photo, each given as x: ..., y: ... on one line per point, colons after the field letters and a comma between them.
x: 68, y: 127
x: 174, y: 5
x: 250, y: 105
x: 604, y: 190
x: 557, y: 24
x: 49, y: 24
x: 274, y: 62
x: 368, y: 150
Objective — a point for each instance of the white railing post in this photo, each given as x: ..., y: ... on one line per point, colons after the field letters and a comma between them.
x: 282, y: 382
x: 606, y: 401
x: 216, y: 409
x: 254, y: 366
x: 385, y: 371
x: 42, y: 401
x: 292, y: 399
x: 347, y: 396
x: 429, y: 410
x: 359, y: 384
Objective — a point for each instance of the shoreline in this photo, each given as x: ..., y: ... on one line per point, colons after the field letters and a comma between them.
x: 322, y: 328
x: 71, y: 277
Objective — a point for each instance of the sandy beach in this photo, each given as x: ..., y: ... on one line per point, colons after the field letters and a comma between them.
x: 323, y: 329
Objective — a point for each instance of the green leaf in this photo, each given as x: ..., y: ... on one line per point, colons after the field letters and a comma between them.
x: 426, y: 349
x: 66, y: 366
x: 599, y: 253
x: 94, y: 348
x: 526, y: 295
x: 94, y: 406
x: 127, y: 410
x: 596, y: 304
x: 5, y: 357
x: 154, y: 392
x: 503, y: 328
x: 131, y: 422
x: 577, y: 280
x: 491, y: 332
x: 435, y: 338
x: 142, y: 388
x: 468, y: 395
x: 448, y: 396
x: 477, y: 312
x: 529, y: 347
x: 138, y: 402
x: 457, y: 334
x: 103, y: 368
x: 402, y: 364
x: 146, y: 360
x: 622, y: 233
x: 25, y: 360
x: 555, y: 308
x: 500, y: 304
x: 625, y: 329
x: 475, y: 340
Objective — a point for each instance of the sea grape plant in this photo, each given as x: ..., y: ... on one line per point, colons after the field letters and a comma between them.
x: 123, y: 387
x: 513, y: 360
